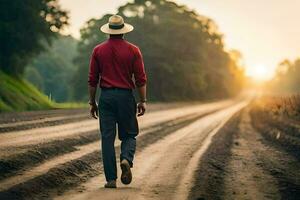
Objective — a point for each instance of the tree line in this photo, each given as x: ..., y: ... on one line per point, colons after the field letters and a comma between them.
x: 287, y: 78
x: 183, y: 51
x: 52, y: 71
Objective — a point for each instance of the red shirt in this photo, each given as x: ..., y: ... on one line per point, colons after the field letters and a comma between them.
x: 115, y: 62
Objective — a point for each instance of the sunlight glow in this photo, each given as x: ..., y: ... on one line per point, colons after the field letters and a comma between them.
x: 260, y: 72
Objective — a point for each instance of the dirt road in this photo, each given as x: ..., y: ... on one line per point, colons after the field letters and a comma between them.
x: 58, y: 155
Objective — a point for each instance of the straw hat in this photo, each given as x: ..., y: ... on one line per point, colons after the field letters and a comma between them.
x: 116, y: 26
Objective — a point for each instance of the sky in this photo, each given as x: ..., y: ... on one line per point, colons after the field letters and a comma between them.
x: 265, y: 31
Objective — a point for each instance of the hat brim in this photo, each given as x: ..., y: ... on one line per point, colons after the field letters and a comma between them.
x: 126, y: 29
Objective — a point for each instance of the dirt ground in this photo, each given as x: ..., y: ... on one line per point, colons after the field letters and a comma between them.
x: 47, y: 160
x: 221, y: 150
x: 244, y: 163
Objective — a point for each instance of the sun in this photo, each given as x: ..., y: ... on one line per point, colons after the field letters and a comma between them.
x: 260, y: 72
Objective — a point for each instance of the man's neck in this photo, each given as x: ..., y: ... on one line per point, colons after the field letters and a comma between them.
x: 116, y: 36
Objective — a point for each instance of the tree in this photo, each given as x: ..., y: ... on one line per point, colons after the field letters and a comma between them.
x: 25, y: 27
x: 55, y: 67
x: 33, y: 76
x: 287, y: 77
x: 90, y: 36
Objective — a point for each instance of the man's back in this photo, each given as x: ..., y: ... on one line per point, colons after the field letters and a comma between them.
x: 116, y: 60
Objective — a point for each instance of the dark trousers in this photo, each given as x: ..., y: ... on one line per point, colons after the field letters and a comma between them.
x: 117, y: 107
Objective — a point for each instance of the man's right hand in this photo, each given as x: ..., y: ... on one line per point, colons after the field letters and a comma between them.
x: 141, y: 108
x: 94, y: 110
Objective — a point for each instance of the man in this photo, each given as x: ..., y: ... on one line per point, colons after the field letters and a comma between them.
x: 115, y: 62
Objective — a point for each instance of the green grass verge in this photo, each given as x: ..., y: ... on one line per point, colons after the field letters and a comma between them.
x: 17, y: 94
x: 70, y: 105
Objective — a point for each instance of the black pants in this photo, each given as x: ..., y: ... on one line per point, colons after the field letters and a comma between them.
x: 117, y: 107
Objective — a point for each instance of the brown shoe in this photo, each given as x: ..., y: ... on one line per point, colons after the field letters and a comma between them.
x: 126, y: 176
x: 111, y: 184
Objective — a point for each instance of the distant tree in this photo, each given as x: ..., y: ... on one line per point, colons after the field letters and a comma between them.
x: 283, y: 67
x: 236, y: 80
x: 55, y: 67
x: 90, y: 36
x: 33, y: 76
x: 24, y: 28
x: 183, y: 51
x: 287, y: 77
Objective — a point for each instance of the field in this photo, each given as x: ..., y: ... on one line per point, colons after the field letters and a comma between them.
x: 231, y: 149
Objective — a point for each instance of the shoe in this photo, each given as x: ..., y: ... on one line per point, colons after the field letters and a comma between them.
x: 111, y: 184
x: 126, y: 176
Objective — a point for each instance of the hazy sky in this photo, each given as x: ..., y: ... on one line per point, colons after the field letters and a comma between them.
x: 264, y: 31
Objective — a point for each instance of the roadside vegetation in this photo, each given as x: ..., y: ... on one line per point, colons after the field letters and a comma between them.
x: 17, y: 94
x: 287, y: 80
x: 51, y: 71
x: 279, y: 107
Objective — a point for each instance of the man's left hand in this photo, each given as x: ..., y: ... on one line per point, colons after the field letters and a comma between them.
x: 94, y: 110
x: 141, y: 108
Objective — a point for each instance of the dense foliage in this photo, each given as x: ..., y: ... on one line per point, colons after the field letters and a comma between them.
x: 24, y: 28
x: 52, y: 70
x: 183, y: 52
x: 287, y: 78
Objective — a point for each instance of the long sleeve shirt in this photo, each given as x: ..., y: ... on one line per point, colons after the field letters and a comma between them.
x: 116, y: 63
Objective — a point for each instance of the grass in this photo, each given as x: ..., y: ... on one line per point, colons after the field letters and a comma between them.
x: 280, y: 106
x: 70, y: 105
x: 17, y: 94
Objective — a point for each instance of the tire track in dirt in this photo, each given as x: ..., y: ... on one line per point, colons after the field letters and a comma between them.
x: 36, y: 119
x: 18, y: 118
x: 229, y: 169
x: 23, y: 117
x: 50, y: 121
x: 74, y: 163
x: 245, y: 178
x: 81, y: 150
x: 210, y: 173
x: 38, y: 153
x: 45, y: 134
x: 42, y: 143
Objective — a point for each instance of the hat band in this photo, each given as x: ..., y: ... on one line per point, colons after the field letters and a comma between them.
x: 112, y: 26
